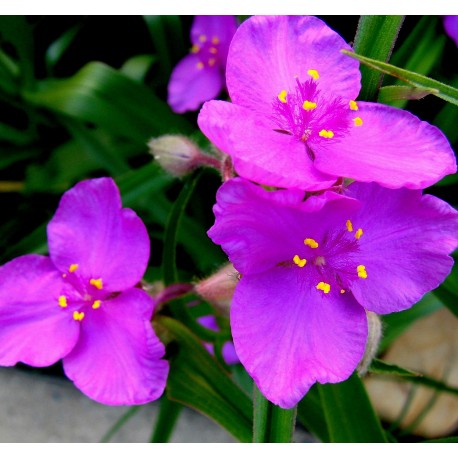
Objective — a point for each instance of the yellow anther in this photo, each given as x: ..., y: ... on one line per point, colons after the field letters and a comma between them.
x: 361, y: 271
x: 213, y: 50
x: 311, y: 243
x: 63, y: 301
x: 342, y: 291
x: 96, y: 304
x: 349, y: 226
x: 313, y: 73
x: 203, y: 38
x: 353, y: 105
x: 326, y: 133
x: 215, y: 40
x: 211, y: 61
x: 308, y: 106
x: 195, y: 48
x: 73, y: 267
x: 200, y: 65
x: 96, y: 282
x: 358, y: 234
x: 282, y: 96
x: 358, y: 121
x: 325, y: 287
x: 78, y: 316
x: 298, y: 261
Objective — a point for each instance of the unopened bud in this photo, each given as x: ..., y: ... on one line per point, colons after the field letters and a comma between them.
x: 178, y: 155
x: 218, y: 289
x: 374, y: 335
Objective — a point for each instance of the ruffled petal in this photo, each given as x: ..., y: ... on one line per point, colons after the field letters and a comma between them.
x: 33, y: 328
x: 269, y: 52
x: 117, y: 360
x: 259, y: 153
x: 190, y: 85
x: 91, y: 229
x: 392, y: 147
x: 288, y: 335
x: 405, y: 245
x: 259, y: 229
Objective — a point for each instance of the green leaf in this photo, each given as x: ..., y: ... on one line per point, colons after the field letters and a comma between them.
x: 105, y: 97
x: 445, y: 92
x: 311, y: 414
x: 196, y: 380
x: 349, y: 413
x: 447, y: 292
x: 57, y: 48
x: 389, y: 94
x: 137, y: 67
x: 168, y: 415
x: 375, y: 38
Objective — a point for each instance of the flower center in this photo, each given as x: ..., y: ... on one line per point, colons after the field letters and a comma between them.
x: 311, y: 116
x: 207, y: 50
x: 332, y: 263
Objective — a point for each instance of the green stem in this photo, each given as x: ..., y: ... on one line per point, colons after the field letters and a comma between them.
x: 168, y: 416
x: 272, y: 423
x: 121, y: 422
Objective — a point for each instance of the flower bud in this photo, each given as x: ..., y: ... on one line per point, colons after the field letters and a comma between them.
x: 374, y: 335
x: 218, y: 289
x: 178, y: 155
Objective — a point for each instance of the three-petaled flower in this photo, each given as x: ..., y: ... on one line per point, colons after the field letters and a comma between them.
x: 199, y: 76
x: 309, y: 270
x: 82, y: 303
x: 294, y: 121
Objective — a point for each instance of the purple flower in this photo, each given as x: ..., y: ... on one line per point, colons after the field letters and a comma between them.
x: 451, y: 27
x: 200, y: 75
x: 310, y: 269
x: 294, y: 122
x: 82, y: 304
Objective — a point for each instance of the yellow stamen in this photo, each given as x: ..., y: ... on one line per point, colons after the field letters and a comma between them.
x: 78, y: 316
x: 298, y: 261
x: 97, y: 283
x: 358, y: 234
x: 353, y: 105
x: 72, y: 268
x: 311, y: 243
x: 326, y: 133
x: 349, y: 226
x: 195, y: 48
x: 200, y: 65
x: 309, y: 106
x: 203, y: 38
x: 361, y: 271
x: 282, y: 96
x: 213, y: 50
x: 358, y: 121
x: 342, y: 291
x: 215, y: 40
x: 211, y: 61
x: 314, y: 74
x: 63, y: 301
x: 325, y: 287
x: 96, y: 304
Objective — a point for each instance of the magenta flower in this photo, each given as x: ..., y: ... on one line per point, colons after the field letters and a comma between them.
x: 82, y: 304
x: 294, y: 121
x: 200, y: 75
x: 451, y: 27
x: 309, y: 270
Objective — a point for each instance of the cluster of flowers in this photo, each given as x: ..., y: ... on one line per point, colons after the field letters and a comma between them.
x: 314, y: 254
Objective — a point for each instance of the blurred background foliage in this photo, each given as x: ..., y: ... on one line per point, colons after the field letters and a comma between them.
x: 80, y: 96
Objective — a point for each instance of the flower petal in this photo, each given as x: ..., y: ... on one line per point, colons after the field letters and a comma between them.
x: 404, y: 247
x: 392, y: 147
x: 288, y: 335
x: 259, y: 229
x: 268, y: 52
x: 91, y: 229
x: 33, y: 328
x: 259, y: 153
x: 451, y: 27
x: 190, y: 85
x: 117, y: 360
